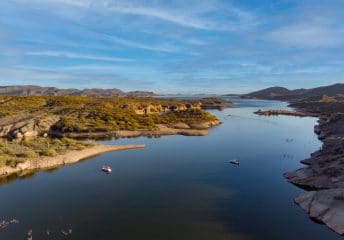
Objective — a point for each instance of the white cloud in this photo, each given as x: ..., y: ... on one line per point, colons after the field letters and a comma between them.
x: 166, y: 15
x: 24, y: 76
x: 62, y: 54
x: 76, y: 3
x: 160, y: 48
x: 191, y: 15
x: 308, y: 35
x: 176, y: 16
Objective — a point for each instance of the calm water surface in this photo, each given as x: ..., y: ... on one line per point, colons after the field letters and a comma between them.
x: 177, y: 187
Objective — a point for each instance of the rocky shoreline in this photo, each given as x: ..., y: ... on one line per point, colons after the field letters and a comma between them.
x: 324, y: 174
x: 70, y: 157
x: 199, y: 129
x: 282, y: 112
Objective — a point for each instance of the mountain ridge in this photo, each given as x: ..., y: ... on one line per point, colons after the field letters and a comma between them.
x: 53, y: 91
x: 281, y: 93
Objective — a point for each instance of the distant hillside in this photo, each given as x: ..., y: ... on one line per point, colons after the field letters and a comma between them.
x: 52, y: 91
x: 280, y: 93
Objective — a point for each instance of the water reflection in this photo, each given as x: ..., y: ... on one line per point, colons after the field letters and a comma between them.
x: 177, y: 187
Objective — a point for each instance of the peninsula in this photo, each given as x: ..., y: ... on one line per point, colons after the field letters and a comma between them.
x: 43, y: 131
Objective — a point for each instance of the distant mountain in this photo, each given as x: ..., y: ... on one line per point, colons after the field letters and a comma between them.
x: 52, y: 91
x: 280, y: 93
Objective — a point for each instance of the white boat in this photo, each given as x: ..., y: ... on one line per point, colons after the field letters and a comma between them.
x: 106, y: 169
x: 234, y: 161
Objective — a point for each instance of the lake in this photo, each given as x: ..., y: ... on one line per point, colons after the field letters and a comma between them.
x: 177, y: 187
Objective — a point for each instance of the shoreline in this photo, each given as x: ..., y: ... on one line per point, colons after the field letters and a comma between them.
x: 201, y: 129
x: 74, y: 156
x: 284, y: 112
x: 323, y: 176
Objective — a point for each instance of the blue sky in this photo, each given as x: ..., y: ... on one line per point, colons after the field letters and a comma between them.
x: 172, y: 46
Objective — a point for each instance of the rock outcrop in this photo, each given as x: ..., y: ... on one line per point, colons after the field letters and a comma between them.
x: 281, y: 112
x: 326, y: 206
x: 324, y: 174
x: 205, y: 125
x: 26, y: 126
x: 325, y: 167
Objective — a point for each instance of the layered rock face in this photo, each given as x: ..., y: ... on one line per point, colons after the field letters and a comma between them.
x: 325, y: 167
x: 26, y: 126
x: 325, y: 206
x: 280, y: 112
x: 325, y: 175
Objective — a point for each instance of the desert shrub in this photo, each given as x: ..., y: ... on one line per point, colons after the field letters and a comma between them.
x: 2, y: 161
x: 56, y: 141
x: 79, y: 146
x: 49, y: 152
x: 11, y: 162
x: 67, y: 141
x: 2, y: 143
x: 30, y: 154
x: 28, y: 142
x: 9, y: 151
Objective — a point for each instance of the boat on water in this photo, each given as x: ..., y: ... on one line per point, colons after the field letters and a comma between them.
x: 234, y: 161
x: 106, y: 169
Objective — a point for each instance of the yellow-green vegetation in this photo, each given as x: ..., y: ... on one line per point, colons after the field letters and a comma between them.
x: 17, y: 151
x: 91, y: 114
x: 187, y: 116
x: 321, y: 104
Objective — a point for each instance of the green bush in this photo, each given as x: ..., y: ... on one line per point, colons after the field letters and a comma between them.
x: 30, y: 154
x: 79, y: 146
x: 49, y: 152
x: 9, y: 151
x: 2, y: 143
x: 2, y: 161
x: 67, y: 141
x: 11, y: 162
x: 28, y: 142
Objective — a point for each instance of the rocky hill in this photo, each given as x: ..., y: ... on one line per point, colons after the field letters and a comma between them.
x: 280, y: 93
x: 52, y: 91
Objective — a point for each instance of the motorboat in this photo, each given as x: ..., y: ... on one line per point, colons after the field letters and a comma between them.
x: 234, y: 161
x: 106, y: 169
